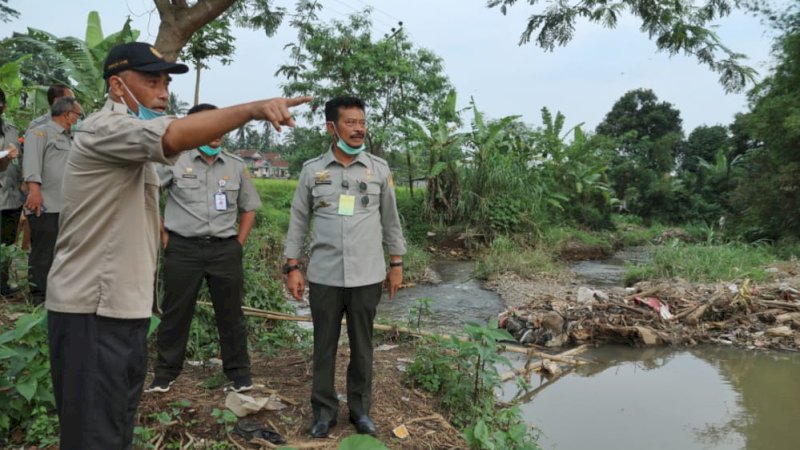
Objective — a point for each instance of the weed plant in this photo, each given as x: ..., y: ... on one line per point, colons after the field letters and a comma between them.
x: 506, y: 255
x: 464, y: 375
x: 705, y: 263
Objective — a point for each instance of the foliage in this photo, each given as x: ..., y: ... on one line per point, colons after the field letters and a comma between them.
x: 507, y: 254
x: 6, y: 13
x: 68, y: 60
x: 25, y: 367
x: 704, y: 263
x: 225, y: 417
x: 675, y: 26
x: 213, y: 40
x: 464, y: 374
x: 646, y: 134
x: 418, y: 311
x: 766, y: 200
x: 343, y: 58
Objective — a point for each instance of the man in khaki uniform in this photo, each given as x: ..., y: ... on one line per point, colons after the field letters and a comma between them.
x: 10, y: 195
x: 350, y: 196
x: 54, y: 92
x: 207, y: 189
x: 100, y: 288
x: 46, y: 149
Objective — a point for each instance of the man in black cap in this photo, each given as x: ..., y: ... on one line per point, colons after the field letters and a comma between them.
x: 100, y: 288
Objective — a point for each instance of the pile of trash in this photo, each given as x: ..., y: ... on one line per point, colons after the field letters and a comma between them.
x: 675, y: 313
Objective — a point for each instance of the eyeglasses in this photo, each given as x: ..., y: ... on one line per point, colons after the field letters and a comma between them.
x: 362, y: 186
x: 80, y: 115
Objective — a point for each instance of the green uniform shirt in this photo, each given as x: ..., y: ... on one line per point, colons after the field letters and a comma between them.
x: 10, y: 195
x: 107, y: 247
x: 193, y: 208
x: 46, y: 150
x: 348, y: 233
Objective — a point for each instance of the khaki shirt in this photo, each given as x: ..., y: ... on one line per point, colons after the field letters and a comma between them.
x: 107, y: 247
x: 39, y: 121
x: 10, y: 195
x: 192, y: 186
x: 46, y: 149
x: 346, y: 250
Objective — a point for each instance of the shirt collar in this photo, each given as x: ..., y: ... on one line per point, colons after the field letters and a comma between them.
x: 219, y: 156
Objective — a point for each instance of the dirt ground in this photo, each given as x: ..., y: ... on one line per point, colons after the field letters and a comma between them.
x: 289, y: 376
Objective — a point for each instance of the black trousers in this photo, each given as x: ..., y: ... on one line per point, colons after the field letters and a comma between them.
x: 98, y: 365
x: 187, y: 262
x: 9, y: 222
x: 328, y: 305
x: 44, y: 231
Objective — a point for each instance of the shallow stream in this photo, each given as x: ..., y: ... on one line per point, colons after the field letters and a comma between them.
x: 714, y: 398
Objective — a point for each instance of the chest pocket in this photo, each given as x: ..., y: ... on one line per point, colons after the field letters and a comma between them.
x: 374, y: 195
x: 323, y: 197
x: 232, y: 193
x: 63, y: 145
x: 188, y: 189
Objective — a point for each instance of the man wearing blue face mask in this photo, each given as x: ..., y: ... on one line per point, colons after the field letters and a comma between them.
x: 349, y: 194
x: 100, y: 287
x: 206, y: 190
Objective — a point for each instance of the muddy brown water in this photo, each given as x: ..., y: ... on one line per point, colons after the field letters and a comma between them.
x: 711, y: 398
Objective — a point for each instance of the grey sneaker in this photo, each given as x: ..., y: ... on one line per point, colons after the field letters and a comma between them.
x: 241, y: 384
x: 160, y: 385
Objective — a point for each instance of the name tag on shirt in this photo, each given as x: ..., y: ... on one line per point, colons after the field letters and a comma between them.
x: 347, y: 204
x: 220, y: 201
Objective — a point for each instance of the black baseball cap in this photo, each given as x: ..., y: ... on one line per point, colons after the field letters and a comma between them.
x: 139, y: 56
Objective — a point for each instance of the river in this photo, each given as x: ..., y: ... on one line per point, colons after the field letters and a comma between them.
x: 711, y: 398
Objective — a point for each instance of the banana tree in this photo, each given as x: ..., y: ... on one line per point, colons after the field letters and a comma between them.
x: 77, y: 63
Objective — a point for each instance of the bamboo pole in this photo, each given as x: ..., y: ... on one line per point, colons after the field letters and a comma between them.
x: 272, y: 315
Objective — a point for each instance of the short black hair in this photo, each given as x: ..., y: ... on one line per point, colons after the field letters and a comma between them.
x: 344, y: 101
x: 201, y: 107
x: 56, y: 91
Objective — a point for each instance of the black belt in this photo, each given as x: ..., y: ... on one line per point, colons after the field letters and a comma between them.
x: 202, y: 238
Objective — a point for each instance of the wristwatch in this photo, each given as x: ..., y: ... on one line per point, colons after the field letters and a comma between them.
x: 395, y: 263
x: 287, y: 268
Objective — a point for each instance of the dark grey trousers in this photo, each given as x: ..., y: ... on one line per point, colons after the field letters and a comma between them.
x: 328, y: 305
x: 187, y: 262
x: 44, y: 231
x: 8, y: 232
x: 98, y: 365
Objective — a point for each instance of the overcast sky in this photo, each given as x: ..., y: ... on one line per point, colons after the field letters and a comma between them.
x: 480, y: 53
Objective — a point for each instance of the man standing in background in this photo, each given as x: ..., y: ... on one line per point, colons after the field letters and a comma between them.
x: 206, y: 190
x: 46, y: 150
x: 10, y: 195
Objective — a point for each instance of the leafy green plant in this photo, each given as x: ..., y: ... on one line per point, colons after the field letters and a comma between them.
x: 224, y: 417
x: 418, y: 311
x: 464, y: 374
x: 43, y: 428
x: 25, y: 382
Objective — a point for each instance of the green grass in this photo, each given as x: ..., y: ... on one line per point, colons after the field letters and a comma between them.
x: 559, y: 237
x: 705, y: 263
x: 505, y: 255
x: 276, y: 199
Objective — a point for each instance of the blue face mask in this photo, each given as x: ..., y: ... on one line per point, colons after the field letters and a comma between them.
x: 352, y: 151
x: 74, y: 126
x: 210, y: 151
x: 145, y: 113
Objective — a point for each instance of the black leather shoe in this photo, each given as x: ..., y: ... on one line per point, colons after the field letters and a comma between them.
x: 363, y: 425
x: 321, y: 428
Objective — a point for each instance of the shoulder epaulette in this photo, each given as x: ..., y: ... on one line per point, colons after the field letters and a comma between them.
x: 313, y: 160
x: 378, y: 159
x: 233, y: 156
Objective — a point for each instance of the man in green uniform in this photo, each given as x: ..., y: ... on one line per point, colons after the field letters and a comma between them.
x: 11, y: 197
x: 46, y: 150
x: 350, y: 196
x: 207, y: 189
x: 100, y: 288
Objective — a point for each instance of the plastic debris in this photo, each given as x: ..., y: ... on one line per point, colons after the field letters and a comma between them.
x: 400, y: 431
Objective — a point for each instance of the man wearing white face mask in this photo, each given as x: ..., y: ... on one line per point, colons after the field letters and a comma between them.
x: 100, y: 288
x: 349, y: 193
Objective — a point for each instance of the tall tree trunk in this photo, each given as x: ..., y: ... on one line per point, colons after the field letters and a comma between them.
x: 410, y: 173
x: 197, y: 83
x: 179, y: 21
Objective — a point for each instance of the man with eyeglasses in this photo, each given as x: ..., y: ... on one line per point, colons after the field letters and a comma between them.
x: 46, y: 150
x: 350, y: 196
